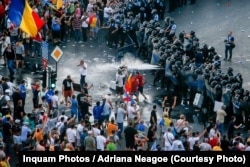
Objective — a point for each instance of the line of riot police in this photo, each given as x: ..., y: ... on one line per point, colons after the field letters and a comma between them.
x: 190, y: 69
x: 127, y: 18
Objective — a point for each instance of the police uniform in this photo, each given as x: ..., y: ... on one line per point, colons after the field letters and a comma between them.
x: 123, y: 32
x: 131, y: 30
x: 113, y: 33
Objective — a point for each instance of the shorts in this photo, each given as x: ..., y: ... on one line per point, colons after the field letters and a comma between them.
x: 131, y: 120
x: 104, y: 117
x: 130, y: 144
x: 67, y: 93
x: 19, y: 57
x: 134, y: 93
x: 17, y: 140
x: 140, y: 89
x: 94, y: 29
x: 119, y: 90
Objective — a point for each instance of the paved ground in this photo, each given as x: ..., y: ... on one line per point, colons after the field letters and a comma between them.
x: 211, y: 20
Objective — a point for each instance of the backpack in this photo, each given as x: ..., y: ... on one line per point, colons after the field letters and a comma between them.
x: 3, y: 101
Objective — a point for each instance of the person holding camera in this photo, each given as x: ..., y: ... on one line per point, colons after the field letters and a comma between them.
x: 83, y: 71
x: 229, y: 46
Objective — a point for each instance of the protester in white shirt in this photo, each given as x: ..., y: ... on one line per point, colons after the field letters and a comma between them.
x: 121, y: 112
x: 95, y: 130
x: 195, y: 137
x: 132, y: 113
x: 41, y: 94
x: 11, y: 86
x: 205, y: 146
x: 83, y: 72
x: 55, y: 101
x: 177, y: 145
x: 100, y: 141
x: 168, y: 139
x: 108, y: 11
x: 212, y: 131
x: 79, y: 131
x: 108, y: 98
x: 71, y: 135
x: 63, y: 115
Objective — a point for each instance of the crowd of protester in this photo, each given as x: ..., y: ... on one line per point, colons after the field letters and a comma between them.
x: 66, y: 125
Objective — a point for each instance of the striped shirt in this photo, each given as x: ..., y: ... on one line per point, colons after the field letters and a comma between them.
x: 77, y: 23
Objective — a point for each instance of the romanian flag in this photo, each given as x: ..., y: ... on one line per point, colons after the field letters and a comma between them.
x: 21, y: 14
x: 127, y: 98
x: 128, y: 83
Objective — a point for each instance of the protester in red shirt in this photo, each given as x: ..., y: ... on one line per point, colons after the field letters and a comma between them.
x: 134, y: 87
x: 141, y: 81
x: 214, y: 140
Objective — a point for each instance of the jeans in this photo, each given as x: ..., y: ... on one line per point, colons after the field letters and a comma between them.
x: 120, y: 127
x: 84, y: 34
x: 7, y: 141
x: 220, y: 127
x: 77, y: 35
x: 10, y: 64
x: 36, y: 49
x: 73, y: 113
x: 230, y: 50
x: 82, y: 81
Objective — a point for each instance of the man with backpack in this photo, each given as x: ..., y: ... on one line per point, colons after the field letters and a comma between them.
x: 5, y: 102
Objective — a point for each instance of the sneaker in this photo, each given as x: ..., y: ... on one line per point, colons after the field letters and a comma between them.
x: 229, y: 59
x: 225, y: 59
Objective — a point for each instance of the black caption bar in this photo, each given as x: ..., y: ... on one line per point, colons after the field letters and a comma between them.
x: 47, y: 159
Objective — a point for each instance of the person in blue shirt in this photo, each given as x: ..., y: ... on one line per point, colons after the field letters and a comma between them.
x: 73, y: 106
x: 97, y: 111
x: 141, y: 127
x: 23, y: 91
